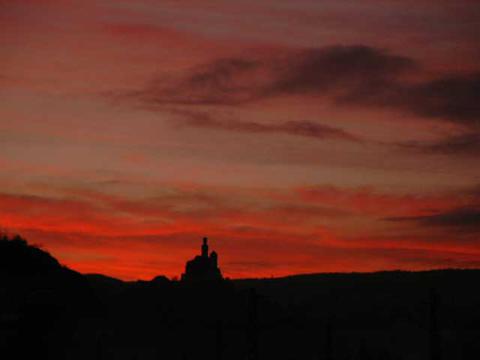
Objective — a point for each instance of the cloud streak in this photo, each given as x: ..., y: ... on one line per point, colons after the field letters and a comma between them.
x: 233, y: 81
x: 465, y: 219
x: 463, y: 144
x: 304, y: 128
x: 455, y: 98
x: 356, y: 75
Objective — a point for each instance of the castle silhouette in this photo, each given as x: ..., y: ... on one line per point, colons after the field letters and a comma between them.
x: 203, y: 267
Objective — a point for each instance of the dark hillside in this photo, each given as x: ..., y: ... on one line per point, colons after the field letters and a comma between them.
x: 40, y: 301
x: 394, y: 315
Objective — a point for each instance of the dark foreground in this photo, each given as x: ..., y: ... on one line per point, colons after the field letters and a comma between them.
x: 50, y: 312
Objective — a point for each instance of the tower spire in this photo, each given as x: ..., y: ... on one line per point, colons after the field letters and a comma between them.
x: 205, y: 248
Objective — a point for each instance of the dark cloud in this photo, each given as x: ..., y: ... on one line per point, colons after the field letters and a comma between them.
x: 298, y: 128
x: 347, y: 75
x: 464, y: 144
x: 223, y: 82
x: 474, y: 192
x: 336, y: 69
x: 309, y: 71
x: 465, y: 219
x: 454, y: 98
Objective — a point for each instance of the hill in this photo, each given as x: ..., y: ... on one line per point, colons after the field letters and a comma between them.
x: 383, y: 315
x: 395, y: 315
x: 40, y: 301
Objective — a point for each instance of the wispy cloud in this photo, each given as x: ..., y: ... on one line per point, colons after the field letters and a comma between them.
x: 453, y: 97
x: 310, y: 71
x: 463, y: 144
x: 357, y: 75
x: 465, y: 219
x: 303, y: 128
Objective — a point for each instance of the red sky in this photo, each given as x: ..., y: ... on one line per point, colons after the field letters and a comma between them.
x: 299, y: 136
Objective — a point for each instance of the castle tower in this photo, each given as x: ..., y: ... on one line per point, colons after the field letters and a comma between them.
x: 214, y: 259
x: 203, y: 267
x: 205, y: 248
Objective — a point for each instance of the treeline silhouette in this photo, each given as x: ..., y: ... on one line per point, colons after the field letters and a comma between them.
x: 48, y: 311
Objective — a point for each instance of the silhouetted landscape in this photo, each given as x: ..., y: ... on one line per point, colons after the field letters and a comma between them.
x: 239, y: 180
x: 51, y: 312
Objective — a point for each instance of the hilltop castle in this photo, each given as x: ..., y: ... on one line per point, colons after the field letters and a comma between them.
x: 203, y: 267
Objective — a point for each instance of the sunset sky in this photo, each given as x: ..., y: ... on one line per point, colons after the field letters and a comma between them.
x: 299, y: 136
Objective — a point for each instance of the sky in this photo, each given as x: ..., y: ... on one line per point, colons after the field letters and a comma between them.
x: 299, y: 136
